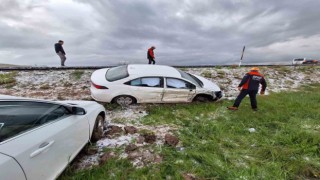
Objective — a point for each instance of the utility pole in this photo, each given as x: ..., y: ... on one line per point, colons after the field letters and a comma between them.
x: 244, y: 47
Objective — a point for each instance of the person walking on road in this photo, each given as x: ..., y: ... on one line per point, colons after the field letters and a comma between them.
x: 150, y: 54
x: 60, y: 51
x: 250, y: 85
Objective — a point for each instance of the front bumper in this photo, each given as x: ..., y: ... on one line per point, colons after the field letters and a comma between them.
x: 218, y: 95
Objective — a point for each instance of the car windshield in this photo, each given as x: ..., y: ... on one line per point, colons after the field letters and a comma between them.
x: 191, y: 78
x: 117, y: 73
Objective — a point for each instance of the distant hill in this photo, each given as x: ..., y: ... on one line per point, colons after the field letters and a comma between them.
x: 8, y: 65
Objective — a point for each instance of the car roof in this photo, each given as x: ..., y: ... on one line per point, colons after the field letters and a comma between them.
x: 152, y: 70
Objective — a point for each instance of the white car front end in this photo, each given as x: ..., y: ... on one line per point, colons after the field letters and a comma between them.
x: 209, y: 88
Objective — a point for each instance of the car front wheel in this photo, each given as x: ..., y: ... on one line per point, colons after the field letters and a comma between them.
x: 124, y: 100
x: 202, y: 98
x: 98, y: 129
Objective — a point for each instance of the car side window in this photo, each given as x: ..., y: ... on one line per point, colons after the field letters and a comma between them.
x: 179, y: 84
x: 146, y: 82
x: 17, y: 117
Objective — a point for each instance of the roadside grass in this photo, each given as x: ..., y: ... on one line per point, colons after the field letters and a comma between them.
x: 8, y: 78
x: 306, y: 68
x: 77, y: 74
x: 206, y: 74
x: 45, y: 86
x: 217, y: 143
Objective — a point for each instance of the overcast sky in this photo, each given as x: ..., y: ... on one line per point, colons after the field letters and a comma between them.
x: 185, y: 32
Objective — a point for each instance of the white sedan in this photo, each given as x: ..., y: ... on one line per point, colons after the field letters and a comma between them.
x: 39, y: 138
x: 130, y: 84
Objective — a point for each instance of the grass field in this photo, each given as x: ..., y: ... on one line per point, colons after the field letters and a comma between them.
x: 218, y: 144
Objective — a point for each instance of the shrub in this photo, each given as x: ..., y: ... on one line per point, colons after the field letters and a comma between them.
x: 77, y: 74
x: 8, y: 78
x: 206, y: 74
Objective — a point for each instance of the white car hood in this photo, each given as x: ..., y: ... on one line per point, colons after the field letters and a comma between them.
x: 208, y: 84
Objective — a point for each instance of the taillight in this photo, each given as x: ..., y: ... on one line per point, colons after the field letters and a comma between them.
x: 98, y: 86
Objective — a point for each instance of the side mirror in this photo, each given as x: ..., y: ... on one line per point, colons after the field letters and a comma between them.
x: 78, y: 111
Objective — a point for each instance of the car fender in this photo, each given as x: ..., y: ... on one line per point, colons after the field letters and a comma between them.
x: 93, y: 109
x: 204, y: 92
x: 10, y: 168
x: 93, y: 112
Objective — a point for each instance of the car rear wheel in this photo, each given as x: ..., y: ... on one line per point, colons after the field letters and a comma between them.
x: 98, y: 129
x: 125, y: 100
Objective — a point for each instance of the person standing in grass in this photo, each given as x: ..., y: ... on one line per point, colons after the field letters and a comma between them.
x: 250, y: 85
x: 150, y: 55
x: 60, y: 51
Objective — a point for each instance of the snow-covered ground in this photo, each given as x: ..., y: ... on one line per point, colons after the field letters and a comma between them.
x: 65, y: 85
x: 62, y: 84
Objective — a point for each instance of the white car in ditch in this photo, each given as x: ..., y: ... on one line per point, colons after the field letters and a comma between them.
x: 39, y: 138
x: 130, y: 84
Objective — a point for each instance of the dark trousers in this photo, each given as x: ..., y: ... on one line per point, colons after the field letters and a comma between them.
x: 151, y: 61
x: 62, y: 58
x: 252, y: 95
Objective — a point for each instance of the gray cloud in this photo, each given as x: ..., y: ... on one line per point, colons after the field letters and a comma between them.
x: 105, y: 32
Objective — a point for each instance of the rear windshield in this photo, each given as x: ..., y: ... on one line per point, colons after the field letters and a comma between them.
x: 191, y: 78
x: 117, y: 73
x: 298, y: 59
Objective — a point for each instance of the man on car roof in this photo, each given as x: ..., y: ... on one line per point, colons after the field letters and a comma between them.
x: 150, y: 55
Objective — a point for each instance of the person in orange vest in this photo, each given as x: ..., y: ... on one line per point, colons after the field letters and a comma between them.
x: 150, y: 55
x: 250, y: 85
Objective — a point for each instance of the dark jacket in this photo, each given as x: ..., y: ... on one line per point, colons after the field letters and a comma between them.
x: 58, y: 47
x: 150, y: 53
x: 252, y: 80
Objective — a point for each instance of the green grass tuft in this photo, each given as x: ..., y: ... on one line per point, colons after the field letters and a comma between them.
x: 77, y: 74
x: 8, y: 78
x: 206, y: 74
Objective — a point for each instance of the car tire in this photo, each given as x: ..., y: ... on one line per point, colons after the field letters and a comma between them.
x: 202, y: 98
x: 98, y: 129
x: 124, y: 100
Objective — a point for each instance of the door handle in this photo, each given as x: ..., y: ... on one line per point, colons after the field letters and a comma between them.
x: 44, y: 146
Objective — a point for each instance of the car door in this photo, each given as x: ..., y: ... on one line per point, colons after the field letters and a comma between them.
x: 147, y: 89
x: 178, y: 90
x: 42, y: 137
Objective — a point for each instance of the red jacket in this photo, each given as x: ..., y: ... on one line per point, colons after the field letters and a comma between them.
x: 150, y: 53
